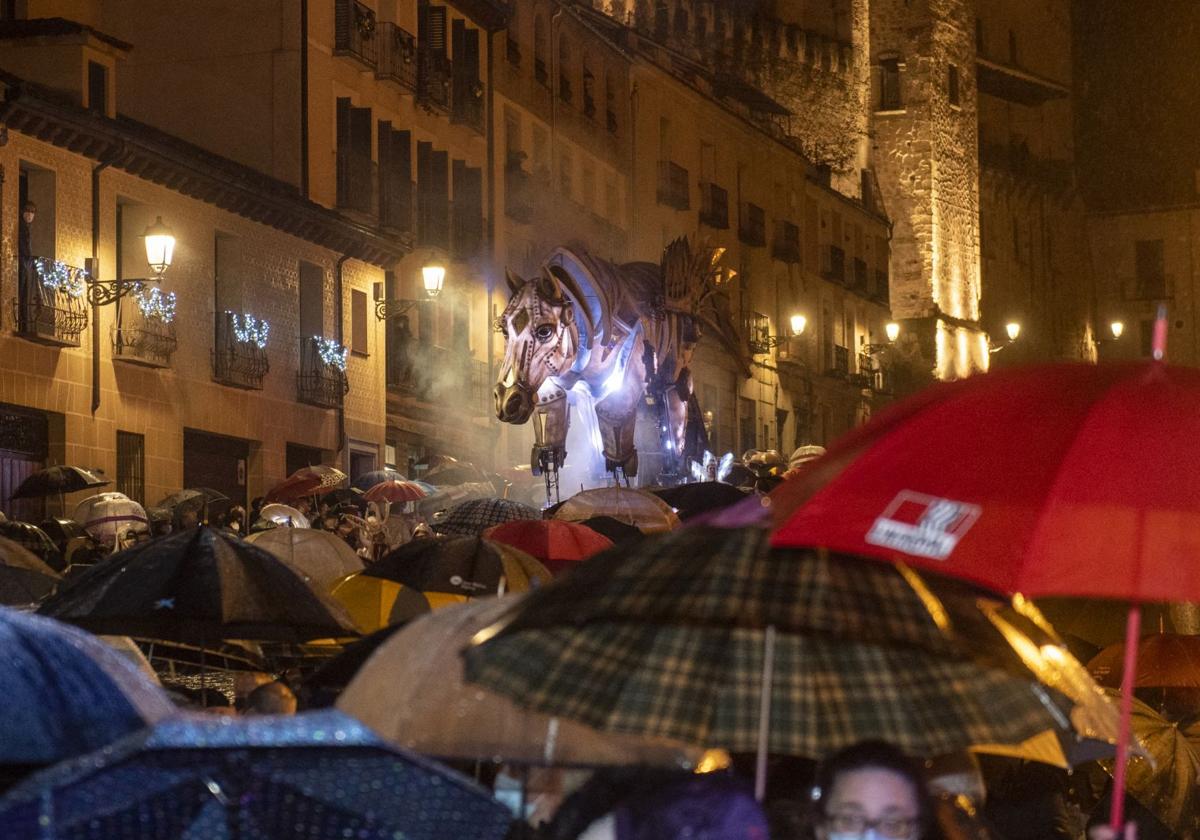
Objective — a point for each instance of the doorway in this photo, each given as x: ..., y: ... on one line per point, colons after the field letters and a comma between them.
x: 24, y: 448
x: 216, y: 461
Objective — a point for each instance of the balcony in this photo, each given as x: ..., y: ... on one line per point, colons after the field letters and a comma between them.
x: 357, y: 181
x: 439, y: 375
x: 714, y: 206
x: 143, y: 335
x: 752, y: 226
x: 355, y: 32
x: 833, y: 264
x: 51, y: 304
x: 874, y: 374
x: 240, y: 354
x: 321, y: 380
x: 397, y: 56
x: 433, y: 79
x: 786, y: 246
x: 757, y: 329
x: 673, y: 185
x: 468, y: 104
x: 518, y: 191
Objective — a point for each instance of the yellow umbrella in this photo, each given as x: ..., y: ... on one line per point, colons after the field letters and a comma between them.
x: 638, y: 508
x: 375, y: 603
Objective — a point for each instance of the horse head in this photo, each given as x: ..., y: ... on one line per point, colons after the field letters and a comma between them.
x: 541, y: 342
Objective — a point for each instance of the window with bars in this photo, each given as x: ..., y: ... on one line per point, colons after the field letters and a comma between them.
x: 131, y: 465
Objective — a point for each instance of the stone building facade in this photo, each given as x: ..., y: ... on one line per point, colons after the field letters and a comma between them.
x: 158, y: 398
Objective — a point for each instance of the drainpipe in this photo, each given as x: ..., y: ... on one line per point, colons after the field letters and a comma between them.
x: 339, y: 309
x: 554, y: 70
x: 633, y: 175
x: 96, y: 170
x: 490, y: 134
x: 304, y: 98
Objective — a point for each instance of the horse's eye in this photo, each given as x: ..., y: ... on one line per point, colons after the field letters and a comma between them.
x: 544, y: 333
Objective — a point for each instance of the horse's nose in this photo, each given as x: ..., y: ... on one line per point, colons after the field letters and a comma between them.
x: 513, y: 404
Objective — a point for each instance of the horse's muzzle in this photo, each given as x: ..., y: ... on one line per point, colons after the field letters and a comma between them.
x: 514, y: 403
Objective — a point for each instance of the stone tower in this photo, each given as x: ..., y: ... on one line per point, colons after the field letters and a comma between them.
x: 924, y: 124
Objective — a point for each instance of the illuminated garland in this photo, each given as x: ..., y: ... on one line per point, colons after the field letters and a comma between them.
x: 249, y: 330
x: 57, y: 276
x: 332, y: 354
x: 155, y: 303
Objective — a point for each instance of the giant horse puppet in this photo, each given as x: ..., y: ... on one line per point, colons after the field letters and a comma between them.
x: 627, y: 332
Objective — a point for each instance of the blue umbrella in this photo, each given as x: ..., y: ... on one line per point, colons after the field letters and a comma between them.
x: 66, y: 693
x: 321, y: 774
x: 368, y: 480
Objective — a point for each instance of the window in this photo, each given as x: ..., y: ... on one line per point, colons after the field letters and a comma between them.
x: 979, y: 36
x: 889, y: 85
x: 566, y: 166
x: 952, y: 85
x: 564, y: 71
x: 312, y: 300
x: 131, y: 466
x: 1150, y: 269
x: 541, y: 44
x: 358, y: 322
x: 97, y: 84
x: 1012, y: 48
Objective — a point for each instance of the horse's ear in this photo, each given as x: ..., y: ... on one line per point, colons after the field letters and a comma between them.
x: 514, y: 282
x: 548, y: 288
x: 568, y: 313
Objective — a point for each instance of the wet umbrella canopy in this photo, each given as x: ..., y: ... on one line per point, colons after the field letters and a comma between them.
x: 66, y: 692
x: 24, y: 578
x: 473, y: 517
x: 195, y: 586
x: 54, y: 481
x: 468, y: 566
x: 319, y: 775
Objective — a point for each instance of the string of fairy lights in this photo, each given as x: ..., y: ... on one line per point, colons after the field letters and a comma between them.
x: 331, y: 353
x: 249, y: 330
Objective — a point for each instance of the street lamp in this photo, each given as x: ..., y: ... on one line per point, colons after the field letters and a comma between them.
x: 1117, y: 328
x: 433, y: 277
x: 764, y: 341
x: 799, y: 322
x: 1013, y: 330
x: 160, y: 248
x: 893, y: 331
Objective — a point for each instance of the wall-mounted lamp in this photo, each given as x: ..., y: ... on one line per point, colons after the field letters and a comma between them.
x: 1117, y: 328
x: 160, y: 248
x: 433, y: 277
x: 892, y: 330
x: 1013, y: 330
x: 798, y: 323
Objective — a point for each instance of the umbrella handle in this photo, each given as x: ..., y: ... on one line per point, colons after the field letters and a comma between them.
x: 1133, y: 628
x: 764, y: 714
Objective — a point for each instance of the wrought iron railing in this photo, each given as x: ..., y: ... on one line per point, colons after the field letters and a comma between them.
x: 355, y: 32
x: 757, y: 329
x: 51, y: 302
x: 238, y: 360
x: 143, y: 339
x: 839, y: 363
x: 397, y: 56
x: 874, y: 373
x: 357, y: 182
x: 321, y: 379
x: 833, y: 264
x: 433, y: 79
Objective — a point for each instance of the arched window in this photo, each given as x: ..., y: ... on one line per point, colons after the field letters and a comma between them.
x: 541, y: 51
x: 565, y: 93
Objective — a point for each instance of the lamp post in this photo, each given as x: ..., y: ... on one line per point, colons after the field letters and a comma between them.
x: 764, y: 341
x: 160, y: 248
x: 433, y: 277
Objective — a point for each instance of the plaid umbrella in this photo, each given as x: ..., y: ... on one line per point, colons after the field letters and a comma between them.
x: 670, y: 639
x: 472, y: 518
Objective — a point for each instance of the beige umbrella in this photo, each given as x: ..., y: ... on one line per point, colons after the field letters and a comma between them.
x: 638, y: 508
x: 411, y: 692
x: 319, y: 556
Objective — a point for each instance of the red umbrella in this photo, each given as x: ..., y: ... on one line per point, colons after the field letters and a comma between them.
x: 395, y: 491
x: 1068, y: 480
x: 304, y: 482
x: 556, y: 543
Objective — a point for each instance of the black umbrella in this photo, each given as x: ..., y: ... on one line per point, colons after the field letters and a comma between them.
x: 198, y: 586
x: 56, y: 481
x: 34, y: 539
x: 616, y: 530
x: 469, y: 566
x: 201, y: 499
x: 24, y: 579
x: 322, y: 687
x: 700, y: 497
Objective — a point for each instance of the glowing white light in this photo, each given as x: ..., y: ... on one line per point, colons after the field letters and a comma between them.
x: 725, y: 466
x: 799, y: 322
x: 893, y: 330
x: 1118, y: 328
x: 1013, y: 329
x: 615, y: 380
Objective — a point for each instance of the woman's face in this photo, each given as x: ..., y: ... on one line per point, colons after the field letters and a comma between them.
x: 870, y: 804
